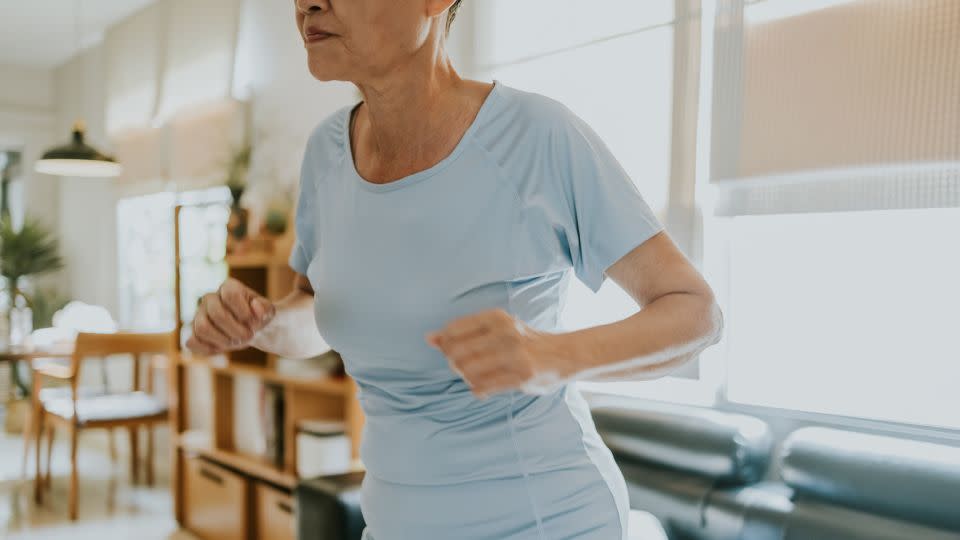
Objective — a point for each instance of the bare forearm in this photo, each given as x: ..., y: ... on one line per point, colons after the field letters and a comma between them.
x: 657, y: 340
x: 293, y: 331
x: 495, y: 352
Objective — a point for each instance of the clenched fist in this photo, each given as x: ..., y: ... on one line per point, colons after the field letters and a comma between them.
x: 494, y: 352
x: 228, y: 319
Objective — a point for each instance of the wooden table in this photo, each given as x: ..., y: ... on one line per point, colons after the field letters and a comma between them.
x: 17, y: 353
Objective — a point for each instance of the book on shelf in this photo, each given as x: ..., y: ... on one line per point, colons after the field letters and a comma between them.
x: 272, y: 417
x: 249, y: 436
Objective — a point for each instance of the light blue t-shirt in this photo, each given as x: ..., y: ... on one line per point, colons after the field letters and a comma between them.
x: 529, y: 195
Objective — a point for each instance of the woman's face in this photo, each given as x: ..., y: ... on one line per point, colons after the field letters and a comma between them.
x: 359, y: 40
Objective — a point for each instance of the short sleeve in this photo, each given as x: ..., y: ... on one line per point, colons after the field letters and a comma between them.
x: 304, y: 226
x: 605, y: 217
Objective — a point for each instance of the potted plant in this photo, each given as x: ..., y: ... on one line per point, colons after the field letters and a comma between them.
x: 236, y: 181
x: 33, y: 250
x: 45, y: 303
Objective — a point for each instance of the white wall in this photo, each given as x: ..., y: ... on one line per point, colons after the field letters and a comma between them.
x: 88, y: 212
x: 27, y: 120
x: 26, y: 89
x: 271, y: 72
x: 27, y: 123
x: 462, y: 42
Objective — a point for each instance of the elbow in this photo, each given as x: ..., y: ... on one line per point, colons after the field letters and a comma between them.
x: 707, y: 318
x: 708, y: 332
x: 712, y: 317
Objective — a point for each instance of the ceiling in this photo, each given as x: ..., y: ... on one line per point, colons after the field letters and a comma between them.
x: 41, y: 33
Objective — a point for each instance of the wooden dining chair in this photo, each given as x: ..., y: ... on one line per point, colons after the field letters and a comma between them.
x: 83, y: 410
x: 60, y: 389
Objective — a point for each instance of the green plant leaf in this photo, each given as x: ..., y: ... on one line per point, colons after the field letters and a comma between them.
x: 32, y: 250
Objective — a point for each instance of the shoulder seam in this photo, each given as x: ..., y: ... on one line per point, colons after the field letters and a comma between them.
x: 501, y: 177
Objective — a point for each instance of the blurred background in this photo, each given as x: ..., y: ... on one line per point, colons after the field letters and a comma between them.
x: 804, y: 154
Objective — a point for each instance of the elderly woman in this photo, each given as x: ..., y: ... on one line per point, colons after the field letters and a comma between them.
x: 438, y: 224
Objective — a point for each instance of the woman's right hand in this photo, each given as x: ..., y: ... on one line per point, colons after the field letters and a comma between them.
x: 228, y: 319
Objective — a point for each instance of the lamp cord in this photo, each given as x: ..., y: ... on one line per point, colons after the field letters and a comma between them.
x: 78, y: 43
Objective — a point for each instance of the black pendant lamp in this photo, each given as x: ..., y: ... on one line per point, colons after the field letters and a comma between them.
x: 78, y: 158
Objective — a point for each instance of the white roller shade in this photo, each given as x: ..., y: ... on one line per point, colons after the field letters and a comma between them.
x: 142, y: 153
x: 200, y: 45
x: 133, y: 57
x: 201, y: 141
x: 851, y: 106
x: 169, y: 77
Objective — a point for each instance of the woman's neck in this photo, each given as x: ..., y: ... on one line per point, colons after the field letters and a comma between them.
x: 412, y: 118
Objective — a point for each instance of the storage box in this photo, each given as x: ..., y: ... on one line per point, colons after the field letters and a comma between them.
x: 215, y: 501
x: 322, y: 448
x: 275, y: 519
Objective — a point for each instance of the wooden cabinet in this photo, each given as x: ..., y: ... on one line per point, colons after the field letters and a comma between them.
x: 273, y: 514
x: 216, y: 501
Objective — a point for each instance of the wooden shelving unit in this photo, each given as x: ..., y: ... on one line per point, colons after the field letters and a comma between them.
x: 337, y: 386
x: 254, y: 466
x: 212, y: 479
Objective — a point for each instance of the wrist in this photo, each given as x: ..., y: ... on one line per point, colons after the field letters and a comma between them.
x: 262, y: 337
x: 566, y: 354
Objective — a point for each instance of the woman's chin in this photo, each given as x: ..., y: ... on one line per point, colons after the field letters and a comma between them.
x: 327, y: 72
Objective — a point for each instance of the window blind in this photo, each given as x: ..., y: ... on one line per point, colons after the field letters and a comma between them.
x: 169, y: 81
x: 200, y: 42
x: 133, y: 56
x: 837, y: 105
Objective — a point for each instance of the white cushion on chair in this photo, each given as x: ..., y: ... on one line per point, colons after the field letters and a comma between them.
x: 107, y: 407
x: 63, y: 392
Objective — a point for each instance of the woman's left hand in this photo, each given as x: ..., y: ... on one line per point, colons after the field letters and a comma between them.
x: 494, y: 352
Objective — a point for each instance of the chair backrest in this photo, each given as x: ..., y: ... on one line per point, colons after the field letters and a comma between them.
x: 135, y: 344
x: 88, y: 344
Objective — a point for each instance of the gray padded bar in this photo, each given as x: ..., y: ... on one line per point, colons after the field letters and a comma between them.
x: 757, y: 512
x: 818, y: 521
x: 728, y: 448
x: 674, y: 499
x: 911, y: 480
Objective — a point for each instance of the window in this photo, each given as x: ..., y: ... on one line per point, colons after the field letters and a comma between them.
x: 851, y: 313
x: 837, y: 165
x: 146, y: 253
x: 203, y: 245
x: 145, y: 256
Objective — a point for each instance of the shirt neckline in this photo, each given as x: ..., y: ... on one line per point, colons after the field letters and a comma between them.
x: 419, y: 175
